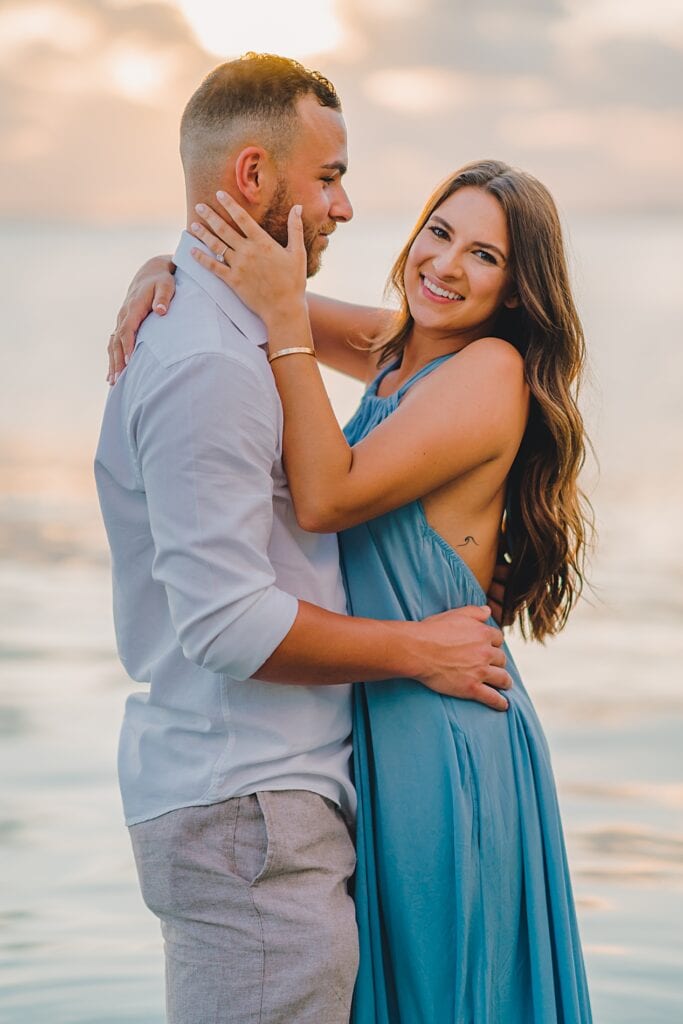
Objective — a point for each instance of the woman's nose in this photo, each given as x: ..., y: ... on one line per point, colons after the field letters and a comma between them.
x: 448, y: 265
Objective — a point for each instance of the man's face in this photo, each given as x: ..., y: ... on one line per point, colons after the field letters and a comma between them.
x: 311, y: 174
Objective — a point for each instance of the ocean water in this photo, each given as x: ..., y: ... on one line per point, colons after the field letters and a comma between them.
x: 77, y: 945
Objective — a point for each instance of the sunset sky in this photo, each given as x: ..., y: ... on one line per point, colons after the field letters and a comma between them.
x: 587, y: 94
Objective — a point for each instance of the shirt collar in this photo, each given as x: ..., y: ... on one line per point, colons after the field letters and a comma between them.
x: 251, y: 326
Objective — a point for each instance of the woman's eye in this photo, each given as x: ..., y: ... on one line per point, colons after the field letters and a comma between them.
x: 437, y: 231
x: 486, y: 256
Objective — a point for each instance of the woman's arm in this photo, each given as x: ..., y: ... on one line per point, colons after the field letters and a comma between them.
x: 471, y: 411
x: 343, y: 333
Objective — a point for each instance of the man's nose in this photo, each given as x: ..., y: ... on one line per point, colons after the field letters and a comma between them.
x: 341, y: 209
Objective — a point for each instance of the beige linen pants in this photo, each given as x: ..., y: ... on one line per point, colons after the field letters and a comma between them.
x: 252, y: 897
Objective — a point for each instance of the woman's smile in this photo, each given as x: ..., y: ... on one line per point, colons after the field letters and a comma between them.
x: 438, y: 293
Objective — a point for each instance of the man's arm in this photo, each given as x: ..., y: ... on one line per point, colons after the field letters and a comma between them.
x: 205, y: 441
x: 454, y: 653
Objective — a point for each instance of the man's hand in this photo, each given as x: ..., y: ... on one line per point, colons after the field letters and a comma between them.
x: 459, y: 655
x: 151, y: 290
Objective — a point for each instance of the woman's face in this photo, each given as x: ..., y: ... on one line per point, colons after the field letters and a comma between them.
x: 456, y: 276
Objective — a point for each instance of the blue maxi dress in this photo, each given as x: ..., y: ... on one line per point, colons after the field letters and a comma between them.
x: 463, y: 896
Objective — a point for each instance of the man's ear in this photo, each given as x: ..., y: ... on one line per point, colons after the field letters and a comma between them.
x: 252, y: 174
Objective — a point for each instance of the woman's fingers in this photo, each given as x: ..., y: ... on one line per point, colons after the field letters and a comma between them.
x: 220, y: 269
x: 244, y: 222
x: 116, y: 358
x: 126, y: 332
x: 295, y: 230
x: 163, y: 293
x: 226, y: 233
x: 218, y: 247
x: 110, y: 357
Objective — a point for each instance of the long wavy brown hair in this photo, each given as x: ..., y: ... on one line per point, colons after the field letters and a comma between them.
x: 548, y: 520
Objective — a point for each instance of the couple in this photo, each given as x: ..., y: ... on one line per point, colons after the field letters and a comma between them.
x: 235, y: 760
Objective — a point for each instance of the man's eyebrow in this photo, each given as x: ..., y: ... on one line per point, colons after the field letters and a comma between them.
x: 336, y: 166
x: 482, y: 245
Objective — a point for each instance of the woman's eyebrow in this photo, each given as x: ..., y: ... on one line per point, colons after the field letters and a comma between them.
x: 482, y: 245
x: 494, y: 248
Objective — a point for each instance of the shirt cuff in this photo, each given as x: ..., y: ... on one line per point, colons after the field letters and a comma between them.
x: 253, y: 637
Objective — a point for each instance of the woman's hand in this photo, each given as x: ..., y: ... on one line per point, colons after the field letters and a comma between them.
x: 268, y: 277
x: 151, y: 289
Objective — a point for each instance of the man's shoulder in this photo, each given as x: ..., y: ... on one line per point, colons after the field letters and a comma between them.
x: 196, y: 326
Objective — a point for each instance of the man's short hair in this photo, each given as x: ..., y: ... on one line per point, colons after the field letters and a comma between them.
x: 252, y: 99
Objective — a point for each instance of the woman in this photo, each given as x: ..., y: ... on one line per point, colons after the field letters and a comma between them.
x: 463, y: 896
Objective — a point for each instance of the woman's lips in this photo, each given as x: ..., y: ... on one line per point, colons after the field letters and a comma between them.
x: 431, y: 290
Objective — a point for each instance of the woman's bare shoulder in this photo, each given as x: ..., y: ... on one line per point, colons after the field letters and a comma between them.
x: 484, y: 379
x: 495, y: 351
x: 489, y: 360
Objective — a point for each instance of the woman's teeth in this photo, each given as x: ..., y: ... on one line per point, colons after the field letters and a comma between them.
x: 435, y: 290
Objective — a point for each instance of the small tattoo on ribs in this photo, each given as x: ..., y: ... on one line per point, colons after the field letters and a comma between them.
x: 468, y: 540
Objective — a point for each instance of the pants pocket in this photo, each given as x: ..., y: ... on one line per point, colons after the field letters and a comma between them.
x: 252, y: 846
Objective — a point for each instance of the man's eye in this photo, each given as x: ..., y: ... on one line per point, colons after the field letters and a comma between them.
x: 329, y: 181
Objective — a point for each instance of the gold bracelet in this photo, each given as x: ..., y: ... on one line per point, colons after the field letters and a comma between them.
x: 299, y: 350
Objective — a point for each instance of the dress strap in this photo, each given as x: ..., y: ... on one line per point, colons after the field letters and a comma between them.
x: 374, y: 386
x: 424, y: 371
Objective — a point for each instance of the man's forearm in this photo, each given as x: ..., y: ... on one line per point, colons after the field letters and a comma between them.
x: 454, y: 653
x: 324, y: 648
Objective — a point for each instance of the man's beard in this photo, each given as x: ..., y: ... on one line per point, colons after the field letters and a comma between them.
x: 275, y: 223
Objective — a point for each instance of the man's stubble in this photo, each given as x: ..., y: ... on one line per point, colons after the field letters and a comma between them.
x: 275, y: 223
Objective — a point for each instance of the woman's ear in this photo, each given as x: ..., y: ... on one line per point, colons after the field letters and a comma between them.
x: 513, y: 301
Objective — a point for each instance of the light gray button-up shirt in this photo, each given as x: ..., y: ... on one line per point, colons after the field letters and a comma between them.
x: 208, y: 562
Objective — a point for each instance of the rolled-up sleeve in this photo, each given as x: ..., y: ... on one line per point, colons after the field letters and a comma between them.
x: 205, y: 441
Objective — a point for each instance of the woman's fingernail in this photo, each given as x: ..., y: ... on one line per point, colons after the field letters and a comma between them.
x: 200, y: 208
x: 221, y: 195
x: 125, y: 359
x: 160, y: 307
x: 116, y: 377
x: 194, y: 225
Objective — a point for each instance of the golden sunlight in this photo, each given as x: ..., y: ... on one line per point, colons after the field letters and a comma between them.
x: 297, y: 28
x: 138, y: 74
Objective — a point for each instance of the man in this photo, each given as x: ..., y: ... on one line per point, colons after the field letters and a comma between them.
x: 234, y: 766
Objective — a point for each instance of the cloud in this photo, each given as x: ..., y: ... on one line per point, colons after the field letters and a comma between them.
x: 588, y: 98
x: 588, y: 95
x: 596, y: 20
x: 430, y: 90
x: 91, y: 95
